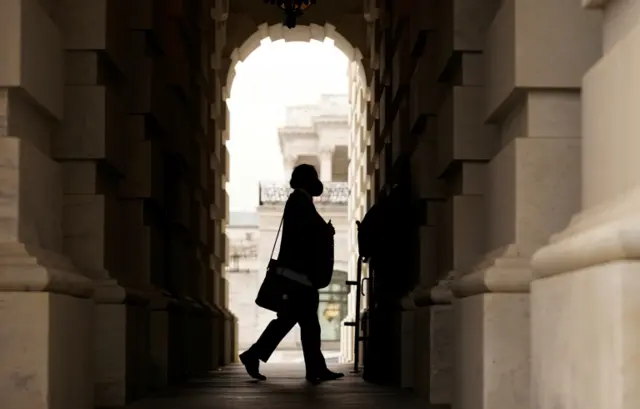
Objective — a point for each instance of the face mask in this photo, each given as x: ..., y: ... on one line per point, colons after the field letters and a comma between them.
x: 317, y: 189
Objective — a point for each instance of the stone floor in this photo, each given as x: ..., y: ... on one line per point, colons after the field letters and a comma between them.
x: 296, y: 357
x: 285, y: 388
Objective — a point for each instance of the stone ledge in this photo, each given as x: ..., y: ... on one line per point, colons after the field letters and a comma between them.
x: 601, y: 235
x: 161, y: 301
x: 28, y: 268
x: 505, y: 270
x: 440, y: 294
x: 110, y: 292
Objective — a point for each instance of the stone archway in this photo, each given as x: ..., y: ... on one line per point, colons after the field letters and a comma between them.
x: 359, y: 97
x: 303, y: 33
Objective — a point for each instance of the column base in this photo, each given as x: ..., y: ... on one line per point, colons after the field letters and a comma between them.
x: 434, y: 342
x: 491, y: 316
x: 198, y: 316
x: 228, y: 349
x: 217, y: 336
x: 46, y: 328
x: 46, y: 355
x: 407, y: 348
x: 586, y: 338
x: 441, y: 354
x: 504, y: 270
x: 121, y: 345
x: 492, y: 352
x: 421, y: 355
x: 585, y: 309
x: 159, y: 343
x: 606, y: 233
x: 193, y: 341
x: 29, y: 268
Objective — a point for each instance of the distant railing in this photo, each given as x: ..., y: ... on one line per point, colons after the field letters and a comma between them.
x: 277, y: 193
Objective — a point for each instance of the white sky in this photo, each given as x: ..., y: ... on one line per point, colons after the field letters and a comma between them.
x: 275, y: 75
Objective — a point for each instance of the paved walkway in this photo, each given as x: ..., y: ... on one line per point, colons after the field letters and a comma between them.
x: 285, y: 388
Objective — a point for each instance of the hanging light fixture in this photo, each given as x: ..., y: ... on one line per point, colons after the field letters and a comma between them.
x: 292, y: 9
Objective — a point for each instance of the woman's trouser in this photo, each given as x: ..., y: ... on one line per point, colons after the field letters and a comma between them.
x: 302, y: 310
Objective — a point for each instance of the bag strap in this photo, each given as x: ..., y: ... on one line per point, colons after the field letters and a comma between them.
x: 277, y: 235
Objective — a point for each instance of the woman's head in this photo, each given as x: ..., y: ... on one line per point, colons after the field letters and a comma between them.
x: 306, y: 177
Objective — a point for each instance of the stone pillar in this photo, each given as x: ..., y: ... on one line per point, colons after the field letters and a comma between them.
x: 220, y: 113
x: 46, y: 317
x: 464, y: 145
x: 532, y: 76
x: 326, y: 164
x: 289, y: 164
x: 584, y: 297
x: 89, y: 144
x: 159, y: 345
x: 442, y: 343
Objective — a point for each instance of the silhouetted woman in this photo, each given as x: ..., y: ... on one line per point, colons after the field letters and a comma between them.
x: 302, y: 230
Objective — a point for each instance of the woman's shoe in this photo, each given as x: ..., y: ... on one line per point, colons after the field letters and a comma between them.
x: 252, y: 365
x: 324, y: 376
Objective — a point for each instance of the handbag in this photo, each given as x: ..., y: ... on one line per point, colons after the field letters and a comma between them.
x: 279, y: 283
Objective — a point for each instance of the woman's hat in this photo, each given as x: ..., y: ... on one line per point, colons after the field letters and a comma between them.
x: 305, y: 177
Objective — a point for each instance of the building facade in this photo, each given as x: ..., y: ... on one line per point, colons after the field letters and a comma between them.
x: 316, y: 134
x: 517, y: 118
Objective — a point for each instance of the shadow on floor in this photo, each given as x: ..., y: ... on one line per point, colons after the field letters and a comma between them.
x: 285, y: 388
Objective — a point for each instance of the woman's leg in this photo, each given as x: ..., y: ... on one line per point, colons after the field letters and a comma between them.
x: 311, y: 337
x: 272, y: 336
x: 266, y: 344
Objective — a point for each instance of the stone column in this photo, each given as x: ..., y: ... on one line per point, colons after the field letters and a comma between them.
x: 442, y: 343
x: 584, y: 297
x: 326, y: 164
x: 464, y: 143
x: 289, y: 164
x: 89, y: 144
x: 533, y: 67
x: 46, y: 314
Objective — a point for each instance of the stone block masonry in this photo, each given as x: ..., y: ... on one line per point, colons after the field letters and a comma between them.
x: 106, y: 198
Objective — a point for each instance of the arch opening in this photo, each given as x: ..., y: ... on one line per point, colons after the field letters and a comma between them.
x: 300, y: 33
x: 356, y: 94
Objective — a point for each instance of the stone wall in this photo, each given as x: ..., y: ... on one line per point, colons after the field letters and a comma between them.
x: 112, y: 163
x: 484, y: 102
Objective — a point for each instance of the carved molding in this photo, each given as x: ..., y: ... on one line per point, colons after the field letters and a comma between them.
x: 299, y: 33
x: 505, y: 270
x: 605, y: 234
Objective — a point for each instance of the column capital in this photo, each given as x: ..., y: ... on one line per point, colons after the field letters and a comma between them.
x: 326, y: 163
x: 290, y: 159
x: 326, y: 150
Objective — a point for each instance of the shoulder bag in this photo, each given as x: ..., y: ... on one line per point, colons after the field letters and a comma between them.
x: 279, y: 282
